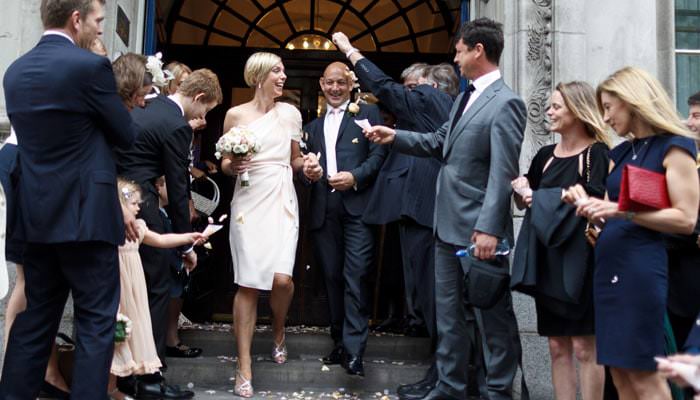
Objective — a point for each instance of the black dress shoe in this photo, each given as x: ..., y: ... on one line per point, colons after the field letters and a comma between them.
x: 354, y: 366
x: 336, y: 356
x: 49, y: 391
x: 437, y: 394
x: 182, y: 351
x: 417, y: 391
x: 160, y: 390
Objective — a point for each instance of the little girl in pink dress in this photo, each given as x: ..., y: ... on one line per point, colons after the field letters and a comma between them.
x: 137, y: 354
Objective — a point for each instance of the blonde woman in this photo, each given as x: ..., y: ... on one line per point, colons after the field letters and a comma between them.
x: 630, y: 281
x: 581, y: 157
x: 265, y: 215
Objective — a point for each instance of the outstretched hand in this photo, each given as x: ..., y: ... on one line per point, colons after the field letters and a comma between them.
x: 342, y: 42
x: 380, y: 134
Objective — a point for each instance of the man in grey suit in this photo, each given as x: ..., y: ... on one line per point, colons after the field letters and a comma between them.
x: 479, y: 147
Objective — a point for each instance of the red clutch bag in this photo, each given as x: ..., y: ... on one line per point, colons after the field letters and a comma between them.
x: 642, y: 190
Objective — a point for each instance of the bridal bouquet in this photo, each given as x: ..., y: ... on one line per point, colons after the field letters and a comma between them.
x: 123, y: 328
x: 239, y: 142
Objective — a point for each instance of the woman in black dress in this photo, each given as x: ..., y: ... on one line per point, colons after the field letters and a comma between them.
x: 630, y: 283
x: 581, y: 157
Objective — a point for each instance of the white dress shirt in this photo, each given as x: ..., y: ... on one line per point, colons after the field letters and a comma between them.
x: 331, y: 128
x: 59, y: 33
x: 480, y: 84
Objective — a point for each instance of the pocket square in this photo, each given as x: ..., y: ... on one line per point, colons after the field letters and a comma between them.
x: 355, y: 141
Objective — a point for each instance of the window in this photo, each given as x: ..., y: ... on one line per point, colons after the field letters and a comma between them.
x: 687, y: 52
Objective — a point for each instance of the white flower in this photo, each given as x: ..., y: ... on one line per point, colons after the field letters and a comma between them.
x: 217, y: 155
x: 227, y: 147
x: 244, y: 148
x: 238, y: 149
x: 236, y: 139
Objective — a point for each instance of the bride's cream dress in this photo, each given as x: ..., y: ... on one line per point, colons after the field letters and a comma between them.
x: 265, y: 215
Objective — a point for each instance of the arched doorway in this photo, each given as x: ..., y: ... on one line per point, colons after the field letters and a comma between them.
x: 221, y: 34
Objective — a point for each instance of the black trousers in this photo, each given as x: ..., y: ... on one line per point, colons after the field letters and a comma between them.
x: 344, y: 247
x: 156, y: 270
x: 418, y: 256
x: 88, y: 270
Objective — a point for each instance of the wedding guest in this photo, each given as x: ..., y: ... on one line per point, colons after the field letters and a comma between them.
x: 683, y: 261
x: 66, y: 131
x: 563, y: 286
x: 405, y: 187
x: 162, y: 148
x: 343, y: 243
x: 265, y: 216
x: 133, y: 81
x: 630, y: 282
x: 98, y: 47
x: 54, y: 384
x: 443, y: 75
x: 178, y: 73
x: 478, y: 148
x: 136, y: 355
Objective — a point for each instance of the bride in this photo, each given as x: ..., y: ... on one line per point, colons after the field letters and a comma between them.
x: 266, y: 211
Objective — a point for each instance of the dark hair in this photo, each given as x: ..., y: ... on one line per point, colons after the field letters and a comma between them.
x: 694, y: 100
x: 55, y: 13
x: 487, y: 32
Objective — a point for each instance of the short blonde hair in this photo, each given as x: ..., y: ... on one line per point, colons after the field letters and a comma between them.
x: 258, y: 66
x: 127, y: 189
x: 647, y: 99
x: 580, y: 98
x: 202, y: 81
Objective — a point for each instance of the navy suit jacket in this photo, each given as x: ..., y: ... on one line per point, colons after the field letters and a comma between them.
x: 354, y: 153
x: 405, y: 186
x: 162, y: 148
x: 62, y: 101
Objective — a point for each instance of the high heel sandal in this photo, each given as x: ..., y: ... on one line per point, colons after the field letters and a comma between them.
x: 245, y: 388
x: 279, y: 352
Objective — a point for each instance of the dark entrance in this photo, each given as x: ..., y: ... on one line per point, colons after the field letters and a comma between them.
x: 220, y: 35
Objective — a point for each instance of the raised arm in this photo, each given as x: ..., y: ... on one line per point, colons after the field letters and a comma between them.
x: 172, y: 240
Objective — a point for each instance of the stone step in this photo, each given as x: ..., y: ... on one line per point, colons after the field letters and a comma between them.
x: 310, y: 344
x: 299, y: 373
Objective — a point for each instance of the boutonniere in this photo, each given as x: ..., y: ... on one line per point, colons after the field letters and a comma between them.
x: 355, y: 141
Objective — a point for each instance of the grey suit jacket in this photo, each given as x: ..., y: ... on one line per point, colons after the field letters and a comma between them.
x: 479, y: 159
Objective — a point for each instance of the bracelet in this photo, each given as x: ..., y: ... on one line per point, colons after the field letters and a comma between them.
x: 351, y: 51
x: 629, y: 215
x: 188, y: 251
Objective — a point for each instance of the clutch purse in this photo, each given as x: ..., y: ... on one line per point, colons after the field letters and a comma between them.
x: 642, y: 190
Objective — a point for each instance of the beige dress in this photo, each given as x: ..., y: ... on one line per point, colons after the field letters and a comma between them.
x: 265, y: 215
x: 137, y: 355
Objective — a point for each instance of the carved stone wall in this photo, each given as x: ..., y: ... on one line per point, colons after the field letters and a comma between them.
x: 538, y: 77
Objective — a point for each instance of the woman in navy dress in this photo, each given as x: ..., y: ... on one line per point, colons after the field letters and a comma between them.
x: 630, y: 280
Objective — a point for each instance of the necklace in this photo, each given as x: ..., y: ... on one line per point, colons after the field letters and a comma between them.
x: 634, y: 152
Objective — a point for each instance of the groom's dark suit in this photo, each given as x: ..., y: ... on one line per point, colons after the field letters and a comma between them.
x: 343, y: 244
x: 63, y: 104
x: 479, y: 151
x: 161, y: 148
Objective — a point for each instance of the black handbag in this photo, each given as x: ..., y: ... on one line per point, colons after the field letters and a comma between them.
x: 484, y: 283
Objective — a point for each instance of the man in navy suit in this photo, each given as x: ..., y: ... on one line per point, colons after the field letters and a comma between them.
x: 62, y: 102
x: 343, y: 243
x: 405, y: 187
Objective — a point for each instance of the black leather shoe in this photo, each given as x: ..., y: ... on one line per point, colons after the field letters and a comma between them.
x: 354, y: 366
x: 335, y: 357
x: 160, y: 390
x: 437, y: 394
x: 182, y: 351
x: 417, y: 391
x: 49, y: 391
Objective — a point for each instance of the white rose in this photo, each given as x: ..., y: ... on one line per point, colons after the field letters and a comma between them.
x: 237, y: 149
x: 227, y: 147
x: 217, y: 155
x: 244, y: 148
x: 236, y: 139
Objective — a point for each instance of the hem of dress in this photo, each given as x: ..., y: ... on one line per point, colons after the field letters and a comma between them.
x: 262, y: 288
x: 144, y: 368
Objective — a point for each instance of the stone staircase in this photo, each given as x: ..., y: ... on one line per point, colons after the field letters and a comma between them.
x: 389, y: 361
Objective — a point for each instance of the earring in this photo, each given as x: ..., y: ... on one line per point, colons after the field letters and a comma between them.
x: 259, y: 85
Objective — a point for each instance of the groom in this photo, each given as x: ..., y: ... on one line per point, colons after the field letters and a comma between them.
x: 343, y: 244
